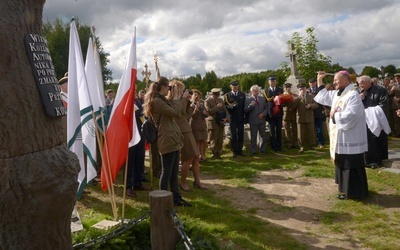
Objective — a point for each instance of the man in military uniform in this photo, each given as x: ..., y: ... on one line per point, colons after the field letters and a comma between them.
x: 275, y: 113
x: 216, y: 122
x: 289, y: 118
x: 234, y: 102
x: 305, y: 105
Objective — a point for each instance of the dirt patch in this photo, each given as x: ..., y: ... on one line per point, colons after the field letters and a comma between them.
x: 290, y: 201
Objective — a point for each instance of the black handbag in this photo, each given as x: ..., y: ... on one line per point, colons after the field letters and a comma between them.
x: 149, y: 130
x: 221, y: 114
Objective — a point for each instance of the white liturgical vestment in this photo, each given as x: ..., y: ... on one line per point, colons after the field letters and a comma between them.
x: 376, y: 120
x: 349, y: 130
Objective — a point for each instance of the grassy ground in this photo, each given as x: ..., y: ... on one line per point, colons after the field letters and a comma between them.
x: 215, y: 223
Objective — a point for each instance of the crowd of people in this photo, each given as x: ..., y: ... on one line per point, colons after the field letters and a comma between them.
x: 359, y: 116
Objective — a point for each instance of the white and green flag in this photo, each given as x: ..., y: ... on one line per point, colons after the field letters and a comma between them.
x: 80, y: 127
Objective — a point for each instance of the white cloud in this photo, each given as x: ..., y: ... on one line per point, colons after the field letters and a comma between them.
x: 229, y: 37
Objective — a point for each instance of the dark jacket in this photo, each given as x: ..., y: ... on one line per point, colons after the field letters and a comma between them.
x: 269, y: 97
x: 235, y: 106
x: 375, y: 96
x: 139, y: 116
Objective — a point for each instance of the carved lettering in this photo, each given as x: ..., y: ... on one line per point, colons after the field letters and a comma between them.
x: 61, y: 111
x: 45, y: 74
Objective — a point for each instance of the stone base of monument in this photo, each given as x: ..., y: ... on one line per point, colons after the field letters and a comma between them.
x: 106, y: 224
x: 392, y: 164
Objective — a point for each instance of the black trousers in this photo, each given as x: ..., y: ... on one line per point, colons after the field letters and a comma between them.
x: 237, y: 133
x: 169, y: 174
x: 377, y: 148
x: 275, y: 126
x: 136, y: 165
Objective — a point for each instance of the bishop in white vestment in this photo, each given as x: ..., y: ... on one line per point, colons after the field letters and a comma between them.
x: 348, y: 134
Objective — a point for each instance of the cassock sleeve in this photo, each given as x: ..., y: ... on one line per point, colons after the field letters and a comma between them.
x: 325, y: 97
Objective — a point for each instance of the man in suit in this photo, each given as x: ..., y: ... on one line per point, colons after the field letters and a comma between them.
x: 234, y: 102
x: 275, y: 113
x: 305, y: 105
x: 318, y: 115
x: 216, y: 122
x: 256, y: 109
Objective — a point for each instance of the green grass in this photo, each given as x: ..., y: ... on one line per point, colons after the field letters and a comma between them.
x: 216, y: 223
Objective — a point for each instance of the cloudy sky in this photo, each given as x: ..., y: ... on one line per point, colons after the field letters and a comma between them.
x: 234, y: 36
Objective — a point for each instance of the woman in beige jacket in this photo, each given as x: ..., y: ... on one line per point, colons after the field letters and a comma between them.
x: 189, y: 152
x: 170, y: 139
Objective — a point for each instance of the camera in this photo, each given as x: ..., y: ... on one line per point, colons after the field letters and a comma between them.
x: 190, y: 92
x: 170, y: 88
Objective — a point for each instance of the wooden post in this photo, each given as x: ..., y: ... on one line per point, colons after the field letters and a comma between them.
x: 163, y: 234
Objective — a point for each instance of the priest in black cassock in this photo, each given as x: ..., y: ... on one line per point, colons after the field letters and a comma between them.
x: 347, y: 134
x: 375, y: 100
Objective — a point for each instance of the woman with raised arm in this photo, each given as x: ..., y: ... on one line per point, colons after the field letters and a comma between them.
x: 170, y: 139
x: 189, y: 152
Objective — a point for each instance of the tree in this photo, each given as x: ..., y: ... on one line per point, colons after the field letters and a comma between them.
x: 209, y: 81
x: 390, y: 70
x: 38, y: 174
x: 57, y: 35
x: 335, y: 68
x: 351, y: 70
x: 371, y: 71
x: 194, y: 82
x: 245, y: 83
x: 309, y: 59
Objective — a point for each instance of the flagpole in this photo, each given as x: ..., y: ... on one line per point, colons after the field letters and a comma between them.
x: 108, y: 172
x: 125, y: 181
x: 112, y: 200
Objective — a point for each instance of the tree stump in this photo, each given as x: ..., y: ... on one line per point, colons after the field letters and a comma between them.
x: 38, y: 174
x: 163, y: 234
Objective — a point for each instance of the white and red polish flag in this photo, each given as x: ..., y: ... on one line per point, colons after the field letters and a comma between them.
x: 122, y: 128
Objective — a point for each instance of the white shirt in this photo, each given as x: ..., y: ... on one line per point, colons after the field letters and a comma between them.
x: 350, y: 121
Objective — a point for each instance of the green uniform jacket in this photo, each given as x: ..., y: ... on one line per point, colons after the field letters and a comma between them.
x: 170, y: 137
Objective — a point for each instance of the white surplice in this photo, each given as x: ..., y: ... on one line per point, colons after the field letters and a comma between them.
x: 350, y: 126
x: 376, y: 120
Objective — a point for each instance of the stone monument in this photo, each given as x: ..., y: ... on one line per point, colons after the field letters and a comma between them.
x: 294, y: 78
x: 146, y: 73
x: 38, y: 174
